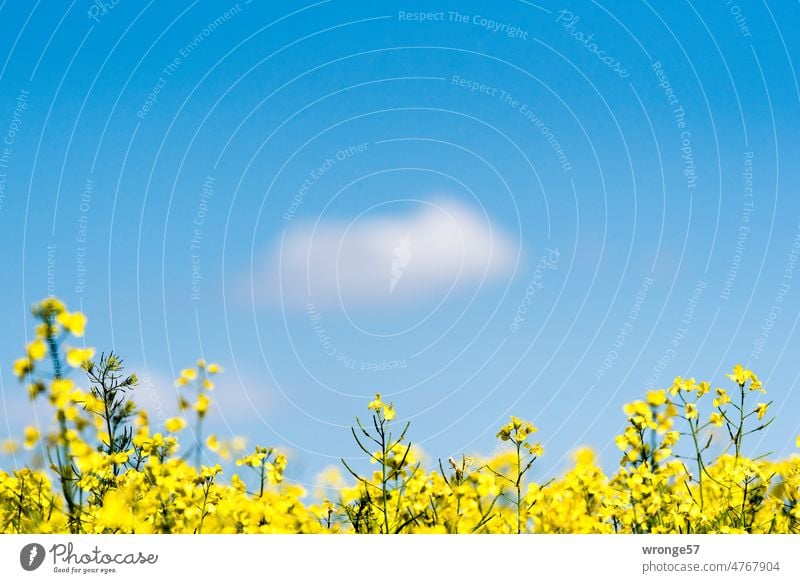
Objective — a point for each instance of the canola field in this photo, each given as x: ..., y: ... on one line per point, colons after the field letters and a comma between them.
x: 106, y: 469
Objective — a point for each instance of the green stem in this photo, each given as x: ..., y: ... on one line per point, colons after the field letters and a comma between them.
x: 64, y: 468
x: 108, y: 426
x: 261, y: 491
x: 700, y: 465
x: 738, y: 440
x: 383, y: 481
x: 519, y: 489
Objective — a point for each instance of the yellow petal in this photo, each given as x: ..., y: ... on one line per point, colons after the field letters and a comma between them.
x: 37, y: 349
x: 75, y: 322
x: 175, y: 424
x: 77, y: 356
x: 31, y: 437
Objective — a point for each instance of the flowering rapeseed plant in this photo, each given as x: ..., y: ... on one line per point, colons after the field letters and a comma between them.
x: 109, y: 471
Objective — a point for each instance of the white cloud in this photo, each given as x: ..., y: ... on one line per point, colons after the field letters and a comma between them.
x: 377, y: 260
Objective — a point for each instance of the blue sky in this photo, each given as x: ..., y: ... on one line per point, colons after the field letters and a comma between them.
x: 337, y: 198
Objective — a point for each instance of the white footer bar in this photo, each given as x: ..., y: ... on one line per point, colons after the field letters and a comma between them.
x: 405, y: 558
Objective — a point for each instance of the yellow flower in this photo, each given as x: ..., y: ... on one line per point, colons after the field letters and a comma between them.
x: 22, y: 366
x: 584, y: 456
x: 376, y: 404
x: 662, y: 454
x: 382, y: 408
x: 49, y: 306
x: 9, y: 447
x: 717, y: 419
x: 664, y: 420
x: 76, y: 357
x: 691, y: 411
x: 656, y: 398
x: 75, y: 323
x: 175, y: 424
x: 740, y: 375
x: 517, y: 430
x: 189, y: 373
x: 535, y: 449
x: 637, y: 409
x: 208, y: 473
x: 253, y: 460
x: 722, y: 398
x: 212, y: 442
x: 36, y: 389
x: 671, y: 438
x: 60, y: 392
x: 761, y: 410
x: 681, y: 384
x: 120, y: 457
x: 116, y: 512
x: 213, y: 368
x: 203, y: 402
x: 37, y: 349
x: 31, y: 437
